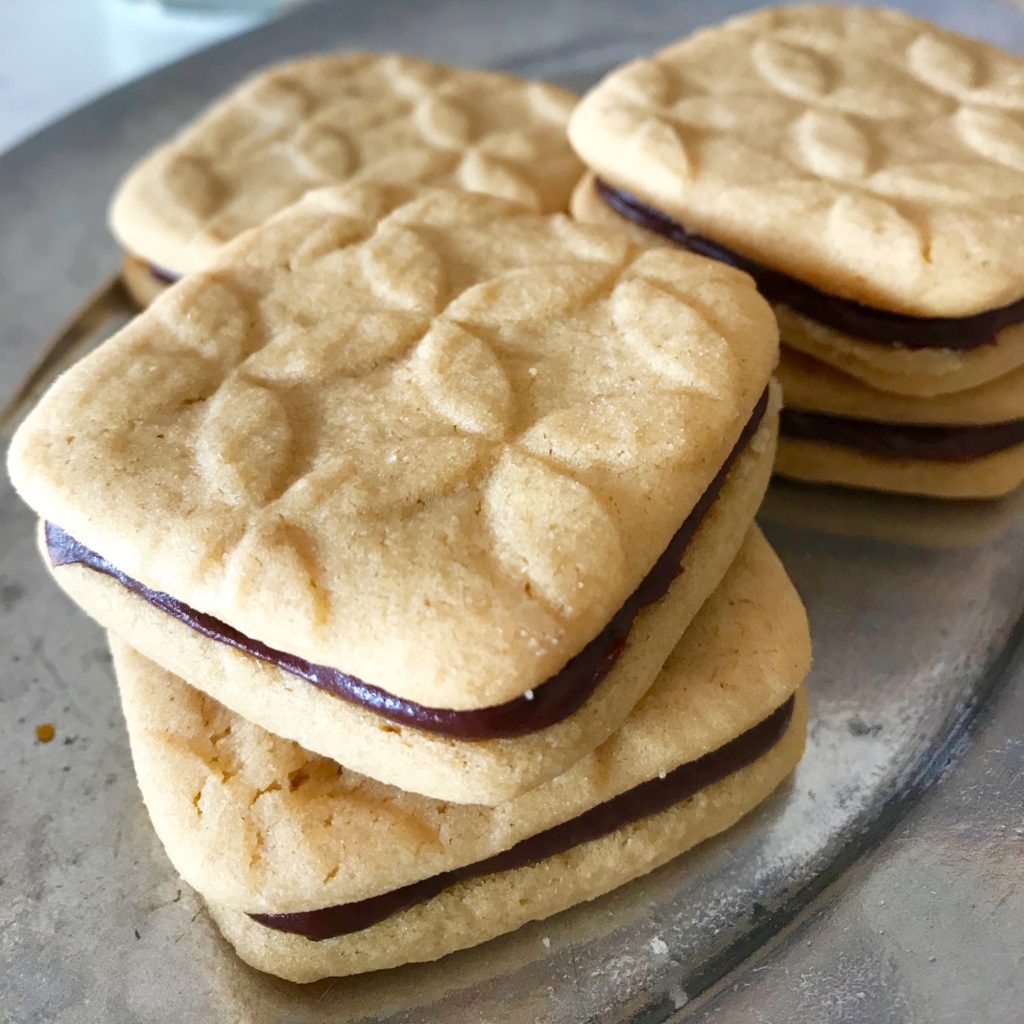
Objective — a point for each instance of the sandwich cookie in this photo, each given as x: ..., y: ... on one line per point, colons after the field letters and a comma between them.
x: 348, y: 117
x: 421, y: 480
x: 838, y: 429
x: 312, y: 870
x: 969, y: 444
x: 859, y: 163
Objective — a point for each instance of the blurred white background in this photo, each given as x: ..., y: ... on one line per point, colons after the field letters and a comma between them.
x: 57, y: 54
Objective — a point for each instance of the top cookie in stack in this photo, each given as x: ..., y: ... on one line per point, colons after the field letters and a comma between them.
x: 351, y: 117
x: 867, y: 168
x: 410, y: 476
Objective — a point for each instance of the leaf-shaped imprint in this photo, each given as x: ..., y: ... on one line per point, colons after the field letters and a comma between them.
x: 244, y: 444
x: 993, y: 134
x: 450, y: 208
x: 402, y: 269
x: 552, y: 532
x: 442, y: 122
x: 463, y: 380
x: 792, y: 70
x: 280, y: 98
x: 590, y: 241
x: 619, y: 432
x: 620, y: 119
x: 554, y: 104
x: 942, y: 65
x: 411, y: 77
x: 754, y: 113
x: 211, y: 317
x: 872, y: 233
x: 674, y: 339
x: 658, y: 144
x: 325, y: 150
x: 518, y: 146
x: 193, y: 185
x: 941, y: 181
x: 482, y: 173
x: 832, y: 145
x: 346, y: 343
x: 529, y: 293
x: 356, y: 112
x: 644, y: 82
x: 387, y: 481
x: 275, y: 565
x: 325, y: 234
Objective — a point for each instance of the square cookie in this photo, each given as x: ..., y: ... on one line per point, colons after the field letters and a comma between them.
x: 955, y: 444
x: 864, y: 165
x: 423, y: 442
x: 484, y: 771
x: 260, y: 825
x: 323, y: 120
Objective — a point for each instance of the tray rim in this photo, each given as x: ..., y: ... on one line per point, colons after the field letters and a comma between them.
x: 943, y: 764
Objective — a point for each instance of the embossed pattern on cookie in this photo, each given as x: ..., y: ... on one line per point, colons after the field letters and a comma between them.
x: 864, y: 151
x: 354, y: 117
x: 376, y: 427
x: 258, y: 823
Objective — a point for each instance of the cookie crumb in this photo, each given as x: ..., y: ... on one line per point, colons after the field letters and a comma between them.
x: 45, y: 732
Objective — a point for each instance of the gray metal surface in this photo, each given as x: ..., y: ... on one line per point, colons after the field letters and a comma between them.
x: 856, y: 894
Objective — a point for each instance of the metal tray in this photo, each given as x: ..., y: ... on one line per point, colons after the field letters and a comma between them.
x: 885, y: 882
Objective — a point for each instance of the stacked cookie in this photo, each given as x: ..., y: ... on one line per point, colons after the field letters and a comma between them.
x: 423, y: 522
x: 394, y: 877
x: 317, y: 121
x: 867, y: 169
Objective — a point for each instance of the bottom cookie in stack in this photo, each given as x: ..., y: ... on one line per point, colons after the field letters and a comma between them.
x: 311, y: 870
x: 837, y: 429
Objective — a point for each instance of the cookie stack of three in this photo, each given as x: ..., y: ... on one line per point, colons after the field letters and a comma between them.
x: 422, y: 524
x: 867, y: 168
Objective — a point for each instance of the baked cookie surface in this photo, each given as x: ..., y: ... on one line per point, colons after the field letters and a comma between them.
x: 863, y: 151
x: 483, y: 771
x: 349, y: 117
x: 918, y: 373
x: 261, y: 825
x: 926, y: 421
x: 483, y: 908
x: 423, y: 436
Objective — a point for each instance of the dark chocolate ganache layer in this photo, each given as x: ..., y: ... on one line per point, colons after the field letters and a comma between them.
x: 552, y: 701
x: 903, y: 440
x: 639, y: 802
x: 863, y: 322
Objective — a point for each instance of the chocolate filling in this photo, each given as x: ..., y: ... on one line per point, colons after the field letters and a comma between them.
x: 903, y: 440
x: 161, y: 275
x: 554, y: 700
x: 863, y: 322
x: 639, y: 802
